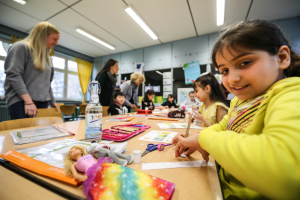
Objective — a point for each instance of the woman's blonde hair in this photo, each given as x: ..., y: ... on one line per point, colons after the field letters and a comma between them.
x: 68, y: 162
x: 135, y: 77
x: 37, y: 43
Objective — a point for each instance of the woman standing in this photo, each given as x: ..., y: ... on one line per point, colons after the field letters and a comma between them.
x: 29, y: 72
x: 130, y: 89
x: 107, y: 78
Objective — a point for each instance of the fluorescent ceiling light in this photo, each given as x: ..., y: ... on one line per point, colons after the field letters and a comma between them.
x: 159, y: 72
x: 23, y: 2
x: 138, y: 20
x: 220, y: 12
x: 79, y: 30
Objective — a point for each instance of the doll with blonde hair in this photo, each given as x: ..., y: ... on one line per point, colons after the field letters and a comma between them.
x: 79, y: 159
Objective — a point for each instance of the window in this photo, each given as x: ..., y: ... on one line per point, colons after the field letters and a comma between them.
x: 4, y: 46
x: 65, y: 84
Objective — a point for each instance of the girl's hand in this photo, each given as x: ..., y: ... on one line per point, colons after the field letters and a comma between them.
x: 172, y: 107
x: 30, y: 110
x: 191, y: 143
x: 54, y: 106
x: 197, y: 115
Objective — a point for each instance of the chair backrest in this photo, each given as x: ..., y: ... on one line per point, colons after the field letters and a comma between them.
x: 60, y: 104
x: 48, y: 112
x: 82, y: 109
x: 29, y: 122
x: 105, y: 111
x: 68, y: 110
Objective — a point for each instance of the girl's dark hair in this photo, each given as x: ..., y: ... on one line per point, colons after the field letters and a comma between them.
x: 256, y: 34
x: 108, y: 64
x: 150, y: 92
x: 171, y: 96
x: 217, y: 93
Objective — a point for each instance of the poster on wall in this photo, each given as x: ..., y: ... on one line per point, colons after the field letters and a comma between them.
x: 148, y: 88
x: 167, y: 88
x: 167, y: 75
x: 156, y: 88
x: 139, y: 67
x: 191, y: 72
x: 166, y: 94
x: 167, y: 81
x: 183, y: 94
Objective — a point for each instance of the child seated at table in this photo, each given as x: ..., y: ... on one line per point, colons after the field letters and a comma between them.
x: 192, y: 102
x: 209, y: 91
x: 118, y: 108
x: 147, y: 100
x: 169, y: 103
x: 258, y: 143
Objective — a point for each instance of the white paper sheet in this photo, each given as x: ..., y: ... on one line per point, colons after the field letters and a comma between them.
x: 177, y: 125
x: 54, y: 153
x: 159, y: 136
x: 185, y: 164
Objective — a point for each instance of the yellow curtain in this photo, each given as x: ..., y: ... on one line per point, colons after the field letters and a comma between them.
x: 51, y: 52
x: 15, y: 39
x: 84, y: 73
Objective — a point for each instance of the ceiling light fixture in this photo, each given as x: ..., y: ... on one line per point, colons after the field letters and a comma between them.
x: 138, y: 20
x: 220, y: 12
x: 23, y: 2
x: 159, y: 72
x: 79, y: 30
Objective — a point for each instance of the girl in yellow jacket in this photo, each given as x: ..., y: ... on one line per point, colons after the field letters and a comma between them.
x: 257, y: 143
x: 209, y: 91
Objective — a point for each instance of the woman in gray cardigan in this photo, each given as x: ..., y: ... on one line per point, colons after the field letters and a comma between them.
x: 131, y: 88
x: 29, y: 72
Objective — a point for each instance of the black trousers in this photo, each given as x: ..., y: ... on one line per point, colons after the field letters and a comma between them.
x: 17, y: 110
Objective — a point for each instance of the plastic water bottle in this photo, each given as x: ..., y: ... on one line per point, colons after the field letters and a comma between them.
x: 93, y: 113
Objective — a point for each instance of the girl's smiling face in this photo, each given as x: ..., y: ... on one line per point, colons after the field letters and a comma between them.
x: 249, y: 73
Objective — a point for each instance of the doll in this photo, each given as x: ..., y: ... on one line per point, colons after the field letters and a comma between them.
x: 99, y: 151
x: 80, y: 159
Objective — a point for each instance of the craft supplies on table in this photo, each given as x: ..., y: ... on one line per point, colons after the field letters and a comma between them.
x: 159, y: 136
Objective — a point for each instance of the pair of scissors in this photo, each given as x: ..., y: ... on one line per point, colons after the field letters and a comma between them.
x: 152, y: 147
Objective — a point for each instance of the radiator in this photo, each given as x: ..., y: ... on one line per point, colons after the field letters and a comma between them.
x: 4, y: 116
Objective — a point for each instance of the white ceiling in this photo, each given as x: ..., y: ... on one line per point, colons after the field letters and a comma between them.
x: 170, y: 20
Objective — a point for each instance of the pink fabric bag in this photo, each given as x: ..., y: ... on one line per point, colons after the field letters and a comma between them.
x: 123, y: 132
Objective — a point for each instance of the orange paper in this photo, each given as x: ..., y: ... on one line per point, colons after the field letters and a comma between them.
x: 38, y: 167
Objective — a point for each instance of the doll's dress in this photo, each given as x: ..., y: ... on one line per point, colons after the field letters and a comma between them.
x: 85, y: 162
x: 88, y: 165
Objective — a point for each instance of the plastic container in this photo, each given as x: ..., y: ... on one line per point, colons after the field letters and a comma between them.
x: 137, y: 156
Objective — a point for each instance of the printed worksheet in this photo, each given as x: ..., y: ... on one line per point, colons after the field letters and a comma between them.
x: 38, y: 134
x: 177, y: 125
x: 159, y: 136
